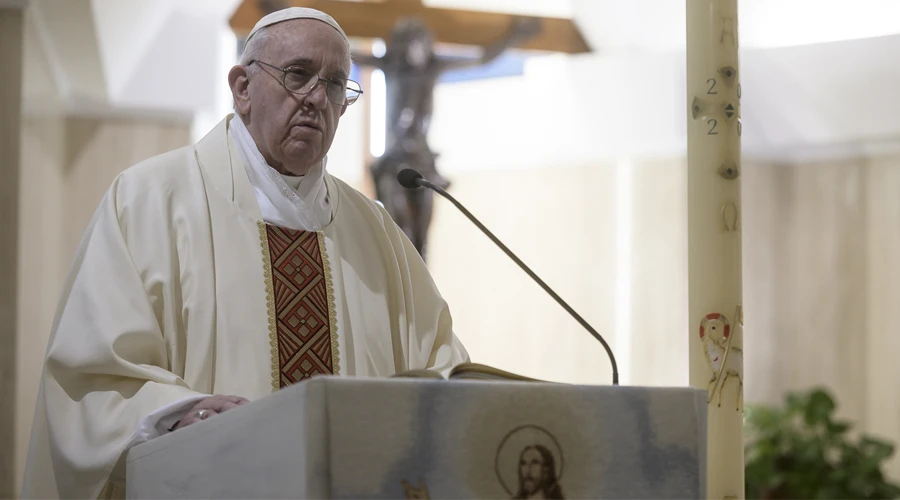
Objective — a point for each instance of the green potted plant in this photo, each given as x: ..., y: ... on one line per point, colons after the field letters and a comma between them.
x: 801, y: 451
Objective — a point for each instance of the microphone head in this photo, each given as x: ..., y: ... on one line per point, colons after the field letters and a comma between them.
x: 409, y: 178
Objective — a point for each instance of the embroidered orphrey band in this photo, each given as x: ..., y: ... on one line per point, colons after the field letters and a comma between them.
x: 302, y: 301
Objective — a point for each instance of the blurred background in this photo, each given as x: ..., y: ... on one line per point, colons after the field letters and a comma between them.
x: 576, y: 161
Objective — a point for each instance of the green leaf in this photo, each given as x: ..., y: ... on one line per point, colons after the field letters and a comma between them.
x: 876, y: 449
x: 838, y: 428
x: 764, y: 419
x: 819, y: 409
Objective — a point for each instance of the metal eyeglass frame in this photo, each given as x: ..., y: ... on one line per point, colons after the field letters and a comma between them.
x: 328, y: 81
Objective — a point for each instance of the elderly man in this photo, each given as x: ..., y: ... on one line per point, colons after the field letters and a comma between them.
x: 216, y: 274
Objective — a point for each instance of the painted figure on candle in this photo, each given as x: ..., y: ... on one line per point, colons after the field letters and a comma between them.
x: 725, y: 360
x: 415, y: 492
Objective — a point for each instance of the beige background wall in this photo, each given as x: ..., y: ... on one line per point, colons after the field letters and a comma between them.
x: 504, y: 318
x: 806, y: 260
x: 567, y: 224
x: 882, y: 314
x: 67, y: 165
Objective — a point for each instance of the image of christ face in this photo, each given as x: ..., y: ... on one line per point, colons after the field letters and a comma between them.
x: 537, y: 474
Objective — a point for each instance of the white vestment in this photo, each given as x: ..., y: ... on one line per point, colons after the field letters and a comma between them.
x: 169, y: 298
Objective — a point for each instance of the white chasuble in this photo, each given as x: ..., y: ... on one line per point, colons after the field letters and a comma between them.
x: 171, y: 296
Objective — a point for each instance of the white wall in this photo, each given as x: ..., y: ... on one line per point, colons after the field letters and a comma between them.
x: 573, y: 111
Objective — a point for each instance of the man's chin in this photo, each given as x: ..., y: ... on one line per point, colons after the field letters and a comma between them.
x: 294, y: 170
x: 301, y: 156
x: 299, y: 164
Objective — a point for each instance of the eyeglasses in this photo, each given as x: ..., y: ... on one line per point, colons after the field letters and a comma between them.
x: 298, y: 80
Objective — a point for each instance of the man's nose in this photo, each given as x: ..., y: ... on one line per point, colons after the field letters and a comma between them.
x: 318, y: 96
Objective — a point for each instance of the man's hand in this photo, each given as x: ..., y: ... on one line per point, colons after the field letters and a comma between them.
x: 208, y: 407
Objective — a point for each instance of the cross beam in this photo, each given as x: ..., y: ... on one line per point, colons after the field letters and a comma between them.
x: 374, y: 19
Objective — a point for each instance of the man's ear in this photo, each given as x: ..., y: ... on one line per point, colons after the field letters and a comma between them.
x: 239, y: 81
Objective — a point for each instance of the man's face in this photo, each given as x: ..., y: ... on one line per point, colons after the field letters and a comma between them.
x: 531, y: 470
x: 293, y: 131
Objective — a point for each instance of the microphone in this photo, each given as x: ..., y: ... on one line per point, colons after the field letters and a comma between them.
x: 411, y: 179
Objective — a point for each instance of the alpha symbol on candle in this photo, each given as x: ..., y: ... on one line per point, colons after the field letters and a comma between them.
x: 727, y: 30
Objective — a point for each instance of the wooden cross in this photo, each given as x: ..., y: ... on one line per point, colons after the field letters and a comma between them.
x: 376, y: 18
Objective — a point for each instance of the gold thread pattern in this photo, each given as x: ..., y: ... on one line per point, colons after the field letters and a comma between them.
x: 332, y: 311
x: 270, y: 305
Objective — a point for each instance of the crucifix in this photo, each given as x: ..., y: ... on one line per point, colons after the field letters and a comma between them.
x: 412, y: 68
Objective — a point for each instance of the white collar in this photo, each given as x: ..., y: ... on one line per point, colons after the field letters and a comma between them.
x: 306, y: 208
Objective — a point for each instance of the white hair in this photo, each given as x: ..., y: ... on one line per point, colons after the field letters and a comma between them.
x: 254, y: 47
